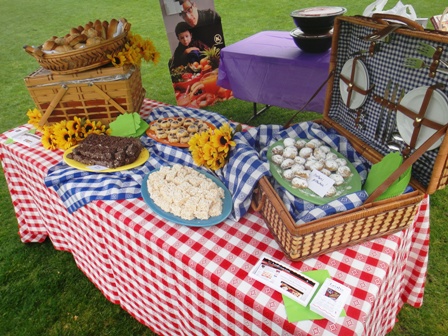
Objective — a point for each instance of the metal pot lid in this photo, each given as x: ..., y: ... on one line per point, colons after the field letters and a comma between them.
x: 321, y: 11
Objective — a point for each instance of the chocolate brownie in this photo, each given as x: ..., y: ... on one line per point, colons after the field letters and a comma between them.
x: 107, y: 151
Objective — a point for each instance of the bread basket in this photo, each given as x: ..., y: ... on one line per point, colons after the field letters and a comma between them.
x: 82, y: 59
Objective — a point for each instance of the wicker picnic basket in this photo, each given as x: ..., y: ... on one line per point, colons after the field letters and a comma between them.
x: 429, y: 167
x: 100, y: 94
x: 81, y: 59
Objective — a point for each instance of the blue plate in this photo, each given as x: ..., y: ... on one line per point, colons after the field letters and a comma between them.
x: 226, y: 209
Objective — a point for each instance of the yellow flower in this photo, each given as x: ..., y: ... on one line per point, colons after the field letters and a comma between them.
x: 135, y: 49
x: 211, y: 148
x: 63, y: 137
x: 198, y: 156
x: 222, y: 138
x: 47, y: 138
x: 34, y: 117
x: 118, y: 59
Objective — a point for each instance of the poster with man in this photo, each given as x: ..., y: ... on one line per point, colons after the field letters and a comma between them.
x: 196, y: 37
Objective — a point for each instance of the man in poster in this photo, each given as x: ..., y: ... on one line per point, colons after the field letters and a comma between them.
x: 196, y: 32
x: 211, y: 34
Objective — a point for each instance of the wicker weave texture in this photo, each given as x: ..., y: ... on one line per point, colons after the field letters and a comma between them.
x: 336, y: 233
x: 96, y: 100
x: 79, y: 60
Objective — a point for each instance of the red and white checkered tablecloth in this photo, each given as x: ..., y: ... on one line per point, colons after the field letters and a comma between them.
x: 179, y: 280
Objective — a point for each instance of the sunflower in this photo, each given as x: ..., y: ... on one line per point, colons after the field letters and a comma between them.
x: 211, y: 148
x: 64, y: 137
x: 135, y: 49
x: 47, y: 138
x: 118, y: 59
x: 34, y: 117
x: 79, y: 132
x: 219, y: 162
x: 198, y: 156
x: 222, y: 138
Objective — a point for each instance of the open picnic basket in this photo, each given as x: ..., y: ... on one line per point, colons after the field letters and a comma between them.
x: 365, y: 112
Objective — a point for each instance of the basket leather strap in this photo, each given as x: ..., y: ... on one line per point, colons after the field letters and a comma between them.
x: 351, y: 83
x: 406, y: 164
x: 419, y: 118
x: 288, y: 123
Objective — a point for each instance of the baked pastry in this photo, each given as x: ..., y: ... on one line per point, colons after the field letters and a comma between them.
x: 290, y: 152
x: 288, y: 142
x: 278, y: 150
x: 306, y: 152
x: 107, y: 151
x: 288, y: 174
x: 112, y: 29
x: 297, y: 160
x: 176, y: 129
x: 49, y: 45
x: 185, y: 192
x: 287, y: 163
x: 298, y: 182
x: 192, y: 128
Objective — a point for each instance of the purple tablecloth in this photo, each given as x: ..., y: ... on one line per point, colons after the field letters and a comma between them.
x: 268, y: 68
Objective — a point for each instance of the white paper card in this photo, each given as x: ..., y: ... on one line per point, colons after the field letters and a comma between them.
x: 15, y: 132
x: 330, y: 299
x: 319, y: 183
x: 27, y: 139
x: 284, y: 279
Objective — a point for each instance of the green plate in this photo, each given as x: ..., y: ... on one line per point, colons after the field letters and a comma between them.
x: 350, y: 185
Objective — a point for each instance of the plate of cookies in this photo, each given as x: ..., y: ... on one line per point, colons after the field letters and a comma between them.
x: 292, y: 160
x: 176, y: 131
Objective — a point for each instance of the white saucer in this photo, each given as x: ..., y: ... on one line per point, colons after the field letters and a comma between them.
x: 437, y: 111
x: 361, y: 80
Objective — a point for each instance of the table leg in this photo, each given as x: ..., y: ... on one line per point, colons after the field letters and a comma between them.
x: 257, y: 113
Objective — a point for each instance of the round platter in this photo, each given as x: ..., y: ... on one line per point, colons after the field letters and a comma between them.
x: 350, y: 185
x: 226, y: 208
x: 437, y: 111
x: 361, y: 80
x: 153, y: 136
x: 143, y: 157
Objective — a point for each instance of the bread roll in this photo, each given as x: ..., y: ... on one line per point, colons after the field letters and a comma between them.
x: 49, y: 45
x: 75, y: 31
x: 113, y: 24
x: 91, y: 41
x: 99, y: 28
x: 60, y: 40
x: 73, y: 40
x: 91, y: 32
x: 105, y: 25
x: 79, y: 46
x: 63, y: 48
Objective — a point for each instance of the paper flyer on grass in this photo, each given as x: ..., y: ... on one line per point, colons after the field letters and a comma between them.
x: 284, y: 279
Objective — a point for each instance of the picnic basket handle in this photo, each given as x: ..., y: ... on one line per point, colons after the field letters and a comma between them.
x: 257, y: 204
x: 383, y: 18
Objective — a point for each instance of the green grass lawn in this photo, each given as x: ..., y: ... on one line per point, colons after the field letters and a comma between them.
x: 42, y: 292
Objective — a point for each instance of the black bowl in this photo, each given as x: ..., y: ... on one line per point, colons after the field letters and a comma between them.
x: 312, y: 43
x: 316, y: 20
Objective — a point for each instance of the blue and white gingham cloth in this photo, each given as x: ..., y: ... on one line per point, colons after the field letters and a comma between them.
x: 247, y: 164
